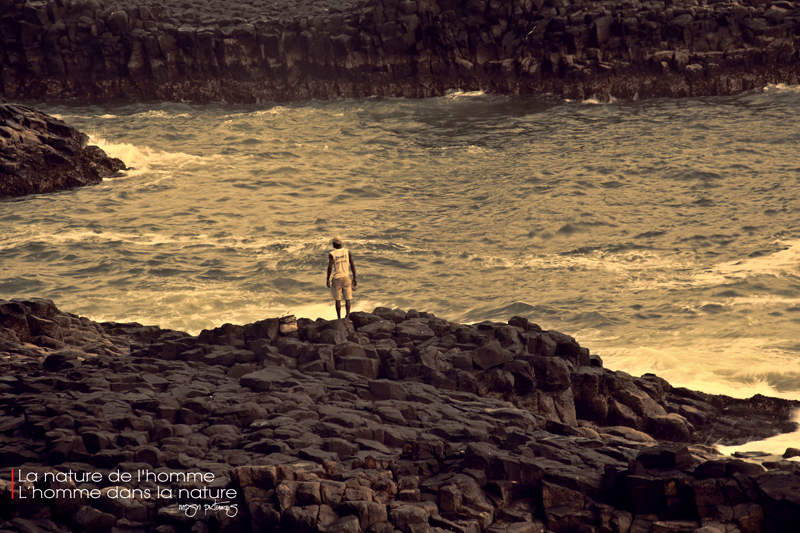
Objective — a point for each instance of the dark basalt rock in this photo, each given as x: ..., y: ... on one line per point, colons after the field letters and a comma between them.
x: 40, y: 154
x: 376, y: 429
x: 294, y: 50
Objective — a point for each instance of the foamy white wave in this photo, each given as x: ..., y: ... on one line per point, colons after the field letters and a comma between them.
x: 396, y: 247
x: 288, y: 247
x: 469, y: 148
x: 142, y: 159
x: 649, y: 262
x: 776, y: 445
x: 174, y: 303
x: 461, y: 94
x: 736, y: 367
x: 779, y: 263
x: 208, y: 307
x: 780, y: 88
x: 148, y: 239
x: 106, y: 116
x: 68, y: 118
x: 599, y: 100
x: 748, y: 303
x: 273, y: 111
x: 160, y: 114
x: 258, y: 246
x: 657, y: 271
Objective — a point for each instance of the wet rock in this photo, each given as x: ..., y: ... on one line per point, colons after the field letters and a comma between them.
x: 42, y: 154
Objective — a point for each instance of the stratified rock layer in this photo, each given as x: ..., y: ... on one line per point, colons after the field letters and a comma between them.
x: 267, y: 51
x: 397, y: 422
x: 39, y: 154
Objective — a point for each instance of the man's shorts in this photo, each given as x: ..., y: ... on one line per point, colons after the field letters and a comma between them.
x: 341, y: 287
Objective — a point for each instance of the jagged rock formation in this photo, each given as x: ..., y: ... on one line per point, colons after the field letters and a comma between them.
x: 39, y: 153
x: 398, y: 422
x: 414, y: 48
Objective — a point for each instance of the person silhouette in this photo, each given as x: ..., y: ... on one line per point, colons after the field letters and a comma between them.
x: 340, y: 260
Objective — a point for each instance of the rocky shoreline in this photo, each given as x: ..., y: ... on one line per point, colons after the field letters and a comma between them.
x: 41, y: 154
x: 398, y: 421
x: 283, y: 51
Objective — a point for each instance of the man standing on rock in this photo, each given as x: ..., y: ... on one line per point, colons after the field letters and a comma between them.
x: 338, y: 261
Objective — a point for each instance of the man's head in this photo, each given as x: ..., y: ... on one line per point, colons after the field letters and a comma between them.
x: 337, y: 242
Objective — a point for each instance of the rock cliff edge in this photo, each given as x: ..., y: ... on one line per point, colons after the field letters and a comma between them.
x: 281, y: 51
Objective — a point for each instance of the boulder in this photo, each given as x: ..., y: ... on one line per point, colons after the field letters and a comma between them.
x: 552, y: 373
x: 42, y: 154
x: 491, y: 355
x: 780, y: 494
x: 388, y: 390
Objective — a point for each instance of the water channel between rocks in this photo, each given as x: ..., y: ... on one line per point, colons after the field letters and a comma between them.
x: 661, y: 234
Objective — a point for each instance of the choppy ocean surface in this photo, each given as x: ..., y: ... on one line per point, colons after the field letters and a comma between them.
x: 664, y: 235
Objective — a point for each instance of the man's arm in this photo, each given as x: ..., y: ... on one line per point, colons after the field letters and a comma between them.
x: 330, y: 268
x: 352, y: 268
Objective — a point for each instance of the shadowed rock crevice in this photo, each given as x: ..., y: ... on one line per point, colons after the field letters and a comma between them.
x: 398, y: 421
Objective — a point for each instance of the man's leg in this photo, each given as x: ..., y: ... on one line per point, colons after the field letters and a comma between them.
x: 339, y: 308
x: 347, y: 309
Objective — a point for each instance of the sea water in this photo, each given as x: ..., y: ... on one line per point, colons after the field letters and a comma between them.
x: 664, y: 235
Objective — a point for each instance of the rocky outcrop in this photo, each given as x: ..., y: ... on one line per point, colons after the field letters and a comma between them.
x: 399, y: 421
x: 39, y: 153
x: 412, y: 48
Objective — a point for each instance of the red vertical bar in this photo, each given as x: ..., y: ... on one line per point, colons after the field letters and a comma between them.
x: 12, y: 483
